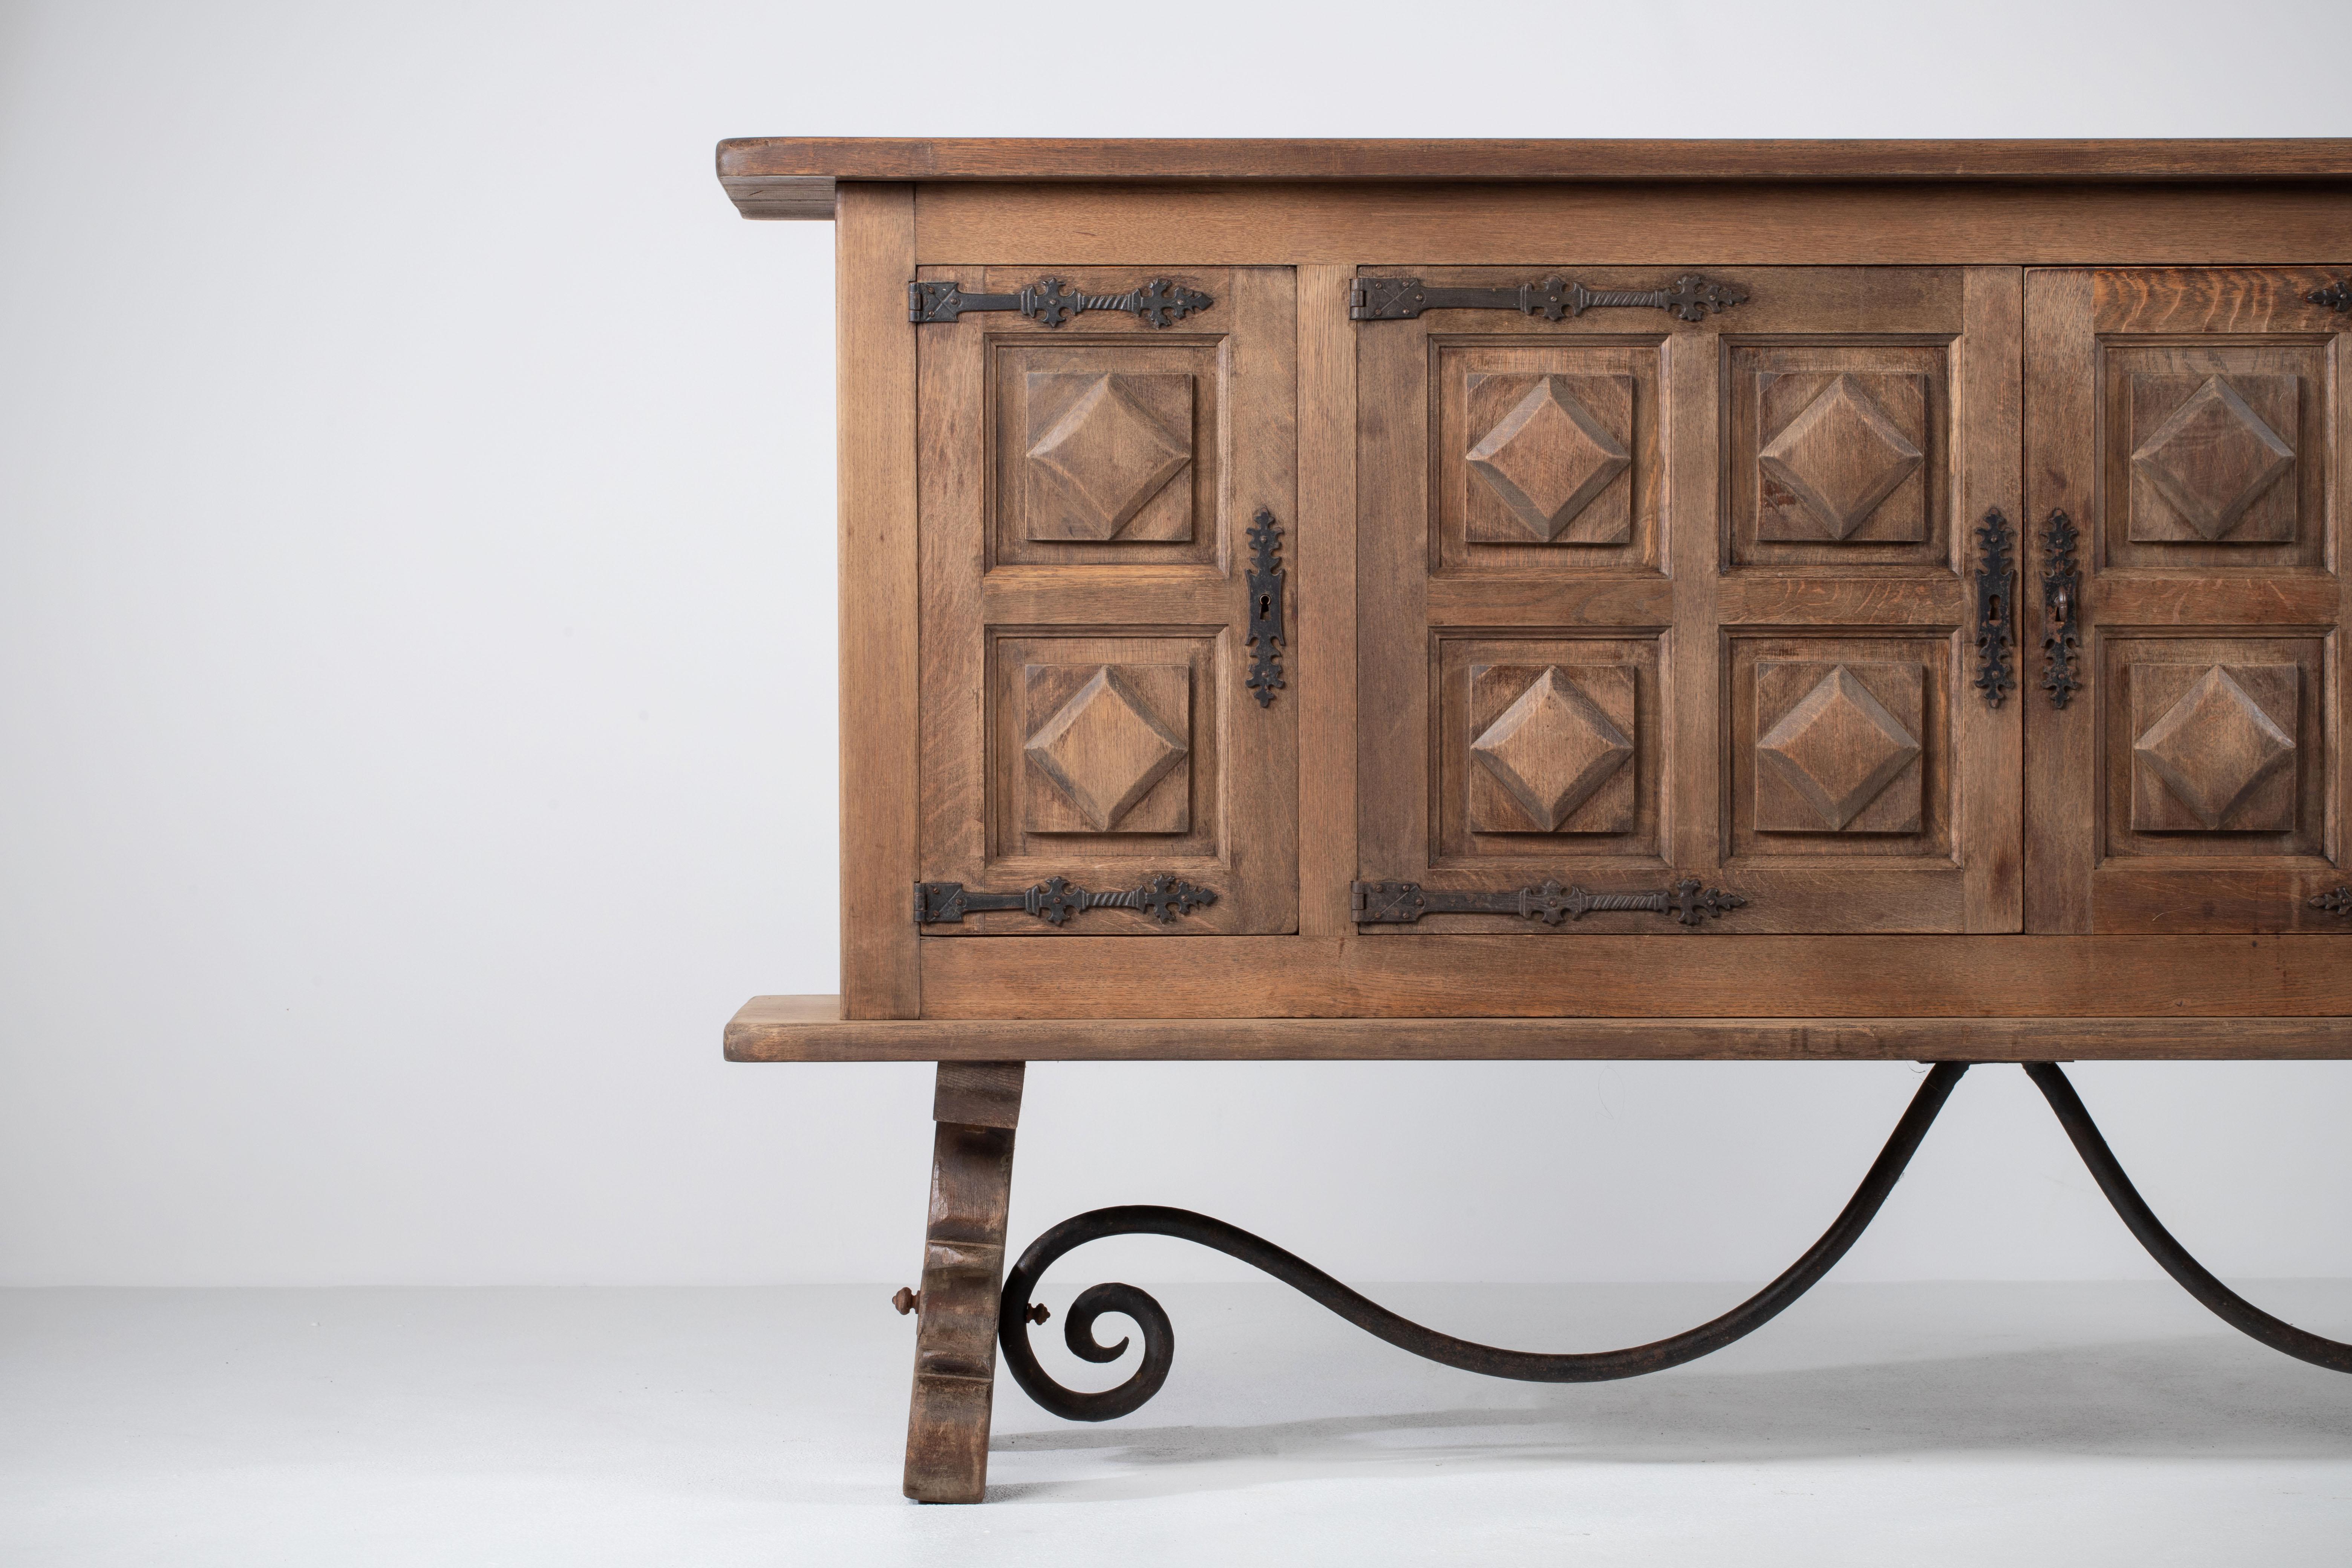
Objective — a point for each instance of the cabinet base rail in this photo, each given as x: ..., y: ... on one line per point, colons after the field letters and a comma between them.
x: 1016, y: 1313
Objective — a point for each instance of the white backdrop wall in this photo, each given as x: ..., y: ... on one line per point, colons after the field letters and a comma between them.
x: 415, y: 664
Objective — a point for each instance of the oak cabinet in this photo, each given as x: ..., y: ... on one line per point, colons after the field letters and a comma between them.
x: 1680, y: 592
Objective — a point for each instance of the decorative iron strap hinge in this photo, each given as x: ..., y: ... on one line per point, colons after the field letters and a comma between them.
x: 1049, y: 302
x: 1402, y: 903
x: 2337, y: 296
x: 1265, y: 583
x: 2336, y: 902
x: 1996, y: 607
x: 1690, y: 298
x: 2062, y: 604
x: 1057, y: 898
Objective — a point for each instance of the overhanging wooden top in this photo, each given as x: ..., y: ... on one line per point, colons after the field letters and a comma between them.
x: 811, y: 1029
x: 793, y: 176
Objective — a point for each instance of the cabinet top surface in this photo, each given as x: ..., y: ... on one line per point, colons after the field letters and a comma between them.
x: 792, y: 177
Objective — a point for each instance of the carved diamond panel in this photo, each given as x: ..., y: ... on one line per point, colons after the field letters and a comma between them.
x: 2210, y: 462
x: 1841, y: 753
x: 1552, y: 448
x: 1555, y: 750
x: 2215, y: 747
x: 1103, y: 741
x: 1103, y: 450
x: 1846, y: 444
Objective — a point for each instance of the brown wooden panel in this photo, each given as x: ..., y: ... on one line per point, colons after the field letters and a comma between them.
x: 1084, y: 496
x: 876, y: 371
x: 1547, y: 750
x: 1555, y: 974
x: 776, y: 1029
x: 1636, y: 226
x: 1323, y: 632
x: 2191, y: 423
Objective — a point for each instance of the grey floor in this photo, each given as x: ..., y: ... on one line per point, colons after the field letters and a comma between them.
x: 1872, y: 1425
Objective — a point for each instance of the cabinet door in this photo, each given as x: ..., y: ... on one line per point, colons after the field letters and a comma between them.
x: 1089, y: 725
x: 1646, y: 601
x: 2187, y: 426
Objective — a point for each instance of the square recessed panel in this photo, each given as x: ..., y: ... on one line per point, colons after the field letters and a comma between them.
x: 1105, y: 744
x: 1547, y: 747
x: 1552, y: 459
x: 1552, y: 748
x: 1104, y: 452
x: 1545, y: 458
x: 2212, y: 455
x: 1842, y: 457
x: 1839, y: 749
x: 1102, y: 741
x: 2214, y: 745
x: 1839, y: 745
x: 1838, y: 455
x: 1107, y: 456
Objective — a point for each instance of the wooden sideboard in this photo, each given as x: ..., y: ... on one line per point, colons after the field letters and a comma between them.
x: 1455, y: 599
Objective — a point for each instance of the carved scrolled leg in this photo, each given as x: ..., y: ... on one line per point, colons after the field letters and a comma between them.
x: 976, y: 1107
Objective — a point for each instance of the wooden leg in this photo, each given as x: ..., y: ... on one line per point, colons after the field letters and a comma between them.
x: 976, y: 1107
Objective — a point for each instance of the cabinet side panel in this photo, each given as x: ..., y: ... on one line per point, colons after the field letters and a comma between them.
x: 881, y: 974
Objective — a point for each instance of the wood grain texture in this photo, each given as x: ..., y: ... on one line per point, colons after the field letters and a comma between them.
x: 1323, y: 587
x: 752, y: 168
x: 963, y: 1271
x: 1159, y: 447
x: 765, y: 1034
x: 1661, y: 225
x: 2187, y: 421
x: 1992, y: 399
x: 1571, y: 973
x: 2061, y: 469
x: 874, y: 354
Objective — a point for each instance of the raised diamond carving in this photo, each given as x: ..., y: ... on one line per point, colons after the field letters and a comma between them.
x: 2219, y: 749
x: 1554, y: 747
x: 1550, y: 456
x: 1834, y: 464
x: 1102, y: 449
x: 1835, y: 752
x: 2214, y: 457
x: 1105, y: 746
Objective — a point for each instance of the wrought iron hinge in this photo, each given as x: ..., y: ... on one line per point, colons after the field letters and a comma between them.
x: 2336, y: 902
x: 1996, y: 609
x: 1049, y: 302
x: 2337, y: 296
x: 1266, y: 584
x: 1057, y: 898
x: 1690, y: 298
x: 2062, y: 604
x: 1403, y: 903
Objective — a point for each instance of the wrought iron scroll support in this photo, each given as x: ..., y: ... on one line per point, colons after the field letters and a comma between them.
x: 1017, y: 1312
x: 1265, y: 587
x: 1689, y: 298
x: 2062, y: 608
x: 1995, y: 608
x: 1056, y: 899
x: 1402, y: 903
x: 1049, y: 302
x: 2336, y: 296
